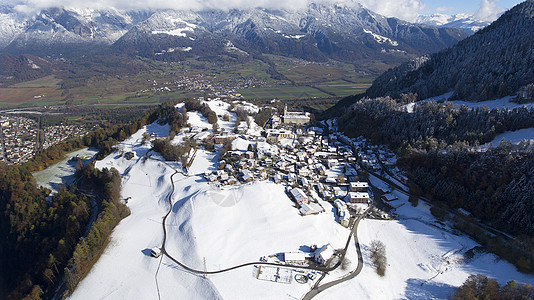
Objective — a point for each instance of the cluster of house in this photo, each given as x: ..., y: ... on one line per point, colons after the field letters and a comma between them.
x: 208, y: 83
x: 59, y: 133
x: 18, y: 138
x: 320, y: 255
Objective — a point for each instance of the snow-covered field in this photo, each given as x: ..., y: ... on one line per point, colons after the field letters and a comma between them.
x: 61, y: 172
x: 213, y: 229
x: 224, y: 227
x: 514, y: 136
x: 493, y: 103
x: 425, y: 258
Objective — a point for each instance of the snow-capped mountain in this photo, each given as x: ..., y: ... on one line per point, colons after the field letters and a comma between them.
x: 321, y: 31
x: 11, y: 25
x: 467, y: 22
x: 61, y: 26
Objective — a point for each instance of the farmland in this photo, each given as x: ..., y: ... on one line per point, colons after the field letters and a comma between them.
x: 157, y: 82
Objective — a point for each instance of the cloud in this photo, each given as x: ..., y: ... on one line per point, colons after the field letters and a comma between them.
x: 444, y: 9
x: 403, y: 9
x: 489, y: 11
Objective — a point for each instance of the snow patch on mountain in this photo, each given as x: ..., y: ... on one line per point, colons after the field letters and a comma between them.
x: 381, y: 39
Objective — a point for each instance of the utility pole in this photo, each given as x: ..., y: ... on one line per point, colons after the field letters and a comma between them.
x: 205, y: 269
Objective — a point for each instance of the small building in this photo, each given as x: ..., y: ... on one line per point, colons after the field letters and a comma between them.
x: 295, y: 117
x: 304, y: 172
x: 292, y: 178
x: 343, y: 213
x: 332, y: 163
x: 247, y: 176
x: 223, y: 176
x: 324, y: 254
x: 202, y: 136
x: 321, y: 169
x: 222, y: 138
x: 389, y: 197
x: 299, y: 196
x: 275, y: 135
x: 295, y: 257
x: 331, y: 180
x: 393, y: 205
x: 155, y: 252
x: 357, y: 197
x: 231, y: 180
x: 359, y: 186
x: 307, y: 209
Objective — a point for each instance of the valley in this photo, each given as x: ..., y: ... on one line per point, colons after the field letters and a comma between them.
x: 310, y: 150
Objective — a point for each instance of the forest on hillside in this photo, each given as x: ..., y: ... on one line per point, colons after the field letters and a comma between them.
x: 438, y: 145
x: 46, y: 238
x: 496, y: 61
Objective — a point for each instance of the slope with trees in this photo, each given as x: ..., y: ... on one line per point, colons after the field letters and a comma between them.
x: 495, y: 62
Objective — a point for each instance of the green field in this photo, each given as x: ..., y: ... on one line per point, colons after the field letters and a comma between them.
x: 45, y: 82
x: 283, y: 92
x: 252, y: 78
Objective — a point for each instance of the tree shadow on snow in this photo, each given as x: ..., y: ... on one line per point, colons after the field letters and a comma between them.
x: 421, y: 289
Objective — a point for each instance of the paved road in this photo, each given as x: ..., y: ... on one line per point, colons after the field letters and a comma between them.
x: 205, y: 272
x: 318, y: 289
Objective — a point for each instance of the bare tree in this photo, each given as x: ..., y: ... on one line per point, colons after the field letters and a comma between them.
x: 378, y: 257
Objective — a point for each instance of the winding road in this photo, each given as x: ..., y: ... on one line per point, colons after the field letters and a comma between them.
x: 310, y: 294
x: 318, y: 289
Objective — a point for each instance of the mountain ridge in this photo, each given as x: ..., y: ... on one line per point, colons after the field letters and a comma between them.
x: 319, y: 32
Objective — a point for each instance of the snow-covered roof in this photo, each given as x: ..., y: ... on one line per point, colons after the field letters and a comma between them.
x: 358, y: 195
x: 299, y: 195
x: 326, y: 252
x: 295, y: 256
x: 389, y: 197
x: 310, y: 208
x: 359, y: 184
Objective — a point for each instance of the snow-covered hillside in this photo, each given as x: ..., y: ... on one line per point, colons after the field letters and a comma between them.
x: 212, y: 228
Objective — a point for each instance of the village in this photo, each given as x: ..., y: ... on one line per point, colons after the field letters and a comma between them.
x: 21, y: 138
x: 206, y: 83
x: 320, y: 170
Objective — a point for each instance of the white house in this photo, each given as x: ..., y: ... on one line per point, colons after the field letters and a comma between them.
x: 323, y: 254
x: 357, y: 197
x: 295, y: 257
x: 359, y: 186
x: 343, y: 213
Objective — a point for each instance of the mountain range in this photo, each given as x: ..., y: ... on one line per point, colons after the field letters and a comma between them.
x: 318, y: 33
x: 468, y: 22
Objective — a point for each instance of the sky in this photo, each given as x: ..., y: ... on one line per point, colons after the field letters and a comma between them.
x: 487, y: 10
